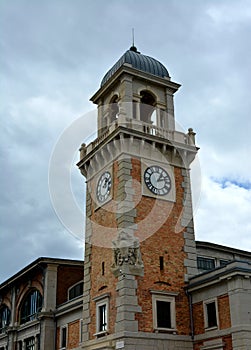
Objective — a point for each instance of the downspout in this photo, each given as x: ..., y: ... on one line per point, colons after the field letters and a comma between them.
x: 55, y: 331
x: 190, y: 302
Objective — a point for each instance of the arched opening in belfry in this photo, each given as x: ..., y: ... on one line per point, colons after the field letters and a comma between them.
x: 147, y: 107
x: 113, y: 108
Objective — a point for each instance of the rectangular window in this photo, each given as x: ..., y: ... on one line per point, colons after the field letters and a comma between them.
x: 102, y: 314
x: 163, y: 314
x: 163, y: 311
x: 102, y: 318
x: 211, y: 314
x: 63, y: 337
x: 30, y: 344
x: 205, y: 264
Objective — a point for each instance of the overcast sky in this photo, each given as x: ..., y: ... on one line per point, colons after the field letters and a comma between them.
x: 54, y: 54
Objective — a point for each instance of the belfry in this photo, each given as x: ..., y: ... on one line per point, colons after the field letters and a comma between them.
x: 140, y: 248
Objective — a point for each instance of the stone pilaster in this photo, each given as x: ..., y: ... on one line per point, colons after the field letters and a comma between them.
x: 50, y: 288
x: 87, y: 266
x: 187, y: 221
x: 127, y: 304
x: 127, y: 257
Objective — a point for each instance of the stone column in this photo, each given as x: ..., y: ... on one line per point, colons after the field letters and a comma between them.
x: 170, y: 112
x: 47, y: 334
x: 125, y: 103
x: 190, y: 262
x: 87, y: 265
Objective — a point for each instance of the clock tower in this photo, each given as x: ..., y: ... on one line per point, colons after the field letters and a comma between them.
x: 139, y: 239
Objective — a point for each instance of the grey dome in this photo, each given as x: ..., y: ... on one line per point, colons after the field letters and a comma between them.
x: 141, y: 62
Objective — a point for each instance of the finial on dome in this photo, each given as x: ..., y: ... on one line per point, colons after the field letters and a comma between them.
x: 133, y: 47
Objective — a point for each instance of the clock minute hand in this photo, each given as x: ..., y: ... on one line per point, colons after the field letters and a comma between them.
x: 161, y: 178
x: 105, y: 183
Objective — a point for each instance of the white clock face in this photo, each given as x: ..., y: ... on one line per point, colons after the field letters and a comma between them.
x: 157, y: 180
x: 104, y: 186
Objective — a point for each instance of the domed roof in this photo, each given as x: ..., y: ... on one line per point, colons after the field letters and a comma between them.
x: 141, y: 62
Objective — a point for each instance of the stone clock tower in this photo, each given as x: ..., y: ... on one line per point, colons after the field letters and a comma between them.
x: 140, y: 248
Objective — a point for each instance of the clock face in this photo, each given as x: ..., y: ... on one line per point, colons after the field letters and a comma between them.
x: 104, y: 186
x: 157, y: 180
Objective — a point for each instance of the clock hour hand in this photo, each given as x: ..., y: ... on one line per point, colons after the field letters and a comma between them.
x: 161, y: 178
x: 105, y: 183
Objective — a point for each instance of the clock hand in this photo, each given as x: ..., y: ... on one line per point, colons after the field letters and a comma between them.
x: 105, y: 183
x: 161, y: 178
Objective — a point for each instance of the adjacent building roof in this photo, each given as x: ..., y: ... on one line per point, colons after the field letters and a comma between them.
x: 138, y: 61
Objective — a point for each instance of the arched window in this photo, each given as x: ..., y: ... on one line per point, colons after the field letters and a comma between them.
x: 75, y: 291
x: 114, y: 108
x: 147, y: 107
x: 4, y: 318
x: 31, y: 305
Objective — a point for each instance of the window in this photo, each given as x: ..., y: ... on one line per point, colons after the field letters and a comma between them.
x: 4, y: 318
x: 147, y: 107
x: 205, y: 264
x: 102, y: 318
x: 161, y: 263
x: 163, y: 314
x: 102, y: 314
x: 223, y: 262
x: 31, y: 306
x: 211, y: 314
x: 30, y: 344
x: 75, y: 291
x: 163, y: 310
x: 63, y: 337
x: 114, y: 108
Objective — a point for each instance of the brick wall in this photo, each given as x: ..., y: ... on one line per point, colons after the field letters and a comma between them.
x: 165, y: 242
x: 198, y: 318
x: 67, y: 276
x: 162, y: 241
x: 224, y: 312
x: 224, y: 321
x: 103, y: 233
x: 73, y: 334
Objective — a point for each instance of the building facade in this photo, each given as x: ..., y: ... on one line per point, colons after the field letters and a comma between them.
x: 40, y: 304
x: 145, y: 282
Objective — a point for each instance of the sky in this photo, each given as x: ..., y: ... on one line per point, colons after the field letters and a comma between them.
x: 53, y: 56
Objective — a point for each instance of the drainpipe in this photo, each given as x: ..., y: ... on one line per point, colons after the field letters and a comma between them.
x: 55, y: 331
x: 190, y: 301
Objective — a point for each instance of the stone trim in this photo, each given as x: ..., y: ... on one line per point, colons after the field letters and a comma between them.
x: 190, y: 262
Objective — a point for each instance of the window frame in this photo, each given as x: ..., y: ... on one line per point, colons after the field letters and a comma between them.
x: 201, y: 258
x: 73, y: 286
x: 5, y: 322
x: 62, y: 328
x: 39, y: 304
x: 205, y: 309
x: 32, y: 345
x: 101, y: 301
x: 168, y: 297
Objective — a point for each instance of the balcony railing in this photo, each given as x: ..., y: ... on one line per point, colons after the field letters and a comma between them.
x: 149, y: 129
